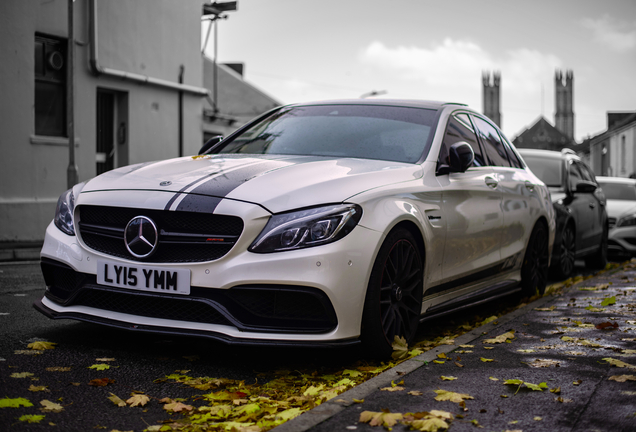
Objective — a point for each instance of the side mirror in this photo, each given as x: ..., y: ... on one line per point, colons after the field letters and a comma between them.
x: 461, y: 156
x: 585, y: 186
x: 210, y: 143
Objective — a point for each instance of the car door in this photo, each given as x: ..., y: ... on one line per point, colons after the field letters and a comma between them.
x: 596, y: 203
x: 583, y: 207
x: 471, y: 207
x: 520, y: 202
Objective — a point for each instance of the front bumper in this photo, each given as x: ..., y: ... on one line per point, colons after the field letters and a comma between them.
x: 322, y: 290
x: 622, y: 241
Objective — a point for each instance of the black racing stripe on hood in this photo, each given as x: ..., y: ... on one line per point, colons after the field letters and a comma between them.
x: 183, y: 189
x: 199, y: 203
x: 224, y: 183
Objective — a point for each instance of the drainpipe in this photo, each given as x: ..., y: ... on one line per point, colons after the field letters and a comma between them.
x: 181, y: 72
x: 98, y: 69
x: 71, y: 170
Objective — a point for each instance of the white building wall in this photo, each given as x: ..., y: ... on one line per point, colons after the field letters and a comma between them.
x: 147, y: 37
x: 623, y: 157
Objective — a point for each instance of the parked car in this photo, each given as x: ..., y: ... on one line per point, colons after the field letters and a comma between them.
x: 579, y: 203
x: 324, y: 223
x: 621, y: 209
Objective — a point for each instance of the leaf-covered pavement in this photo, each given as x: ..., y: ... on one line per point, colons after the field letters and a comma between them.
x: 560, y: 368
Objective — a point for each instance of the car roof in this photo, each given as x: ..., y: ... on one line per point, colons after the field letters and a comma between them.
x: 436, y: 105
x: 548, y: 154
x: 623, y: 180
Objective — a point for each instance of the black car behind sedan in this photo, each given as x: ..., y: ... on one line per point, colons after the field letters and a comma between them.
x: 579, y: 204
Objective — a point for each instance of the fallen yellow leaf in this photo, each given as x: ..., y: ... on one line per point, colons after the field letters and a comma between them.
x: 116, y: 400
x: 386, y: 419
x: 622, y: 378
x: 51, y: 406
x: 444, y: 395
x: 618, y: 363
x: 392, y: 389
x: 138, y: 400
x: 41, y: 345
x: 501, y: 338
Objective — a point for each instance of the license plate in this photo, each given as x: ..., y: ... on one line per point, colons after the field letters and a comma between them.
x: 144, y: 278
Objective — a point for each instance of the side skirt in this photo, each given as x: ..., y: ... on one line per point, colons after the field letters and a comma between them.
x: 498, y: 290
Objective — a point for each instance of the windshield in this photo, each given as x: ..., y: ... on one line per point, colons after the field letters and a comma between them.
x: 547, y: 169
x: 619, y: 191
x: 391, y: 133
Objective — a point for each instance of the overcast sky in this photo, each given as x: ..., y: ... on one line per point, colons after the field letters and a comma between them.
x: 302, y: 50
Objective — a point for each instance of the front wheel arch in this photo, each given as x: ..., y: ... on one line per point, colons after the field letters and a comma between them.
x: 563, y: 266
x: 534, y: 269
x: 393, y: 299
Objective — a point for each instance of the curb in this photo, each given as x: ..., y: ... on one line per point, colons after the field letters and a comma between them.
x: 19, y: 254
x: 330, y: 408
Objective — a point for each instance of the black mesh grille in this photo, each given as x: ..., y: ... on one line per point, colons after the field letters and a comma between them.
x: 61, y: 279
x: 280, y: 304
x: 171, y: 308
x: 182, y: 235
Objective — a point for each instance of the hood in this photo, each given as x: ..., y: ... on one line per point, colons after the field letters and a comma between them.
x: 619, y: 208
x: 277, y: 183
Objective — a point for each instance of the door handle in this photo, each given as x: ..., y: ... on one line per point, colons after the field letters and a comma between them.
x: 491, y: 182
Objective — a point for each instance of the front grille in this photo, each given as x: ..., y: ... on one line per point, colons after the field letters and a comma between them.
x: 611, y: 222
x: 183, y: 236
x: 153, y: 306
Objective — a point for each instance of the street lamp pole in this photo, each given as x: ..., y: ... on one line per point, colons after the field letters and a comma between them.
x: 215, y: 13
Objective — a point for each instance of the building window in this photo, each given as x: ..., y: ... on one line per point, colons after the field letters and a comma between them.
x: 50, y: 86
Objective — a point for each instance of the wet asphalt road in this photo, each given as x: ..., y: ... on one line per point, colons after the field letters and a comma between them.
x: 139, y: 360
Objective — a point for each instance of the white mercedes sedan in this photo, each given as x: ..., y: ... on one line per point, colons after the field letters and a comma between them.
x: 326, y: 223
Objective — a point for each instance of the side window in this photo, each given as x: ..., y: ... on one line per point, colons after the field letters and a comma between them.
x: 460, y: 128
x: 492, y: 143
x: 574, y: 175
x: 513, y: 157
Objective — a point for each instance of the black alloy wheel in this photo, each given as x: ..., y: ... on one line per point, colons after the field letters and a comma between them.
x: 564, y: 266
x: 534, y: 271
x: 394, y: 295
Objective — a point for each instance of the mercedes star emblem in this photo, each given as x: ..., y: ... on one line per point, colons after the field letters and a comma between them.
x: 141, y: 236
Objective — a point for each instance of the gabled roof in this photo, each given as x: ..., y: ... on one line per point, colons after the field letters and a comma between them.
x: 542, y: 135
x: 629, y: 118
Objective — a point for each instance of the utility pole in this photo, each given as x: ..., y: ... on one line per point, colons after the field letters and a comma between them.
x: 214, y: 12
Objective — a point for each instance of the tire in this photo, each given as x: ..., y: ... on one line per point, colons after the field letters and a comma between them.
x: 393, y: 302
x: 564, y: 266
x: 534, y: 271
x: 598, y: 261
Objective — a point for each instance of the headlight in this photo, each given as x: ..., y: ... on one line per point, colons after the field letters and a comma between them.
x: 64, y: 213
x: 307, y: 228
x: 627, y: 221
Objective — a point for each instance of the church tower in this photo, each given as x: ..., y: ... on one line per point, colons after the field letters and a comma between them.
x: 491, y: 96
x: 564, y: 93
